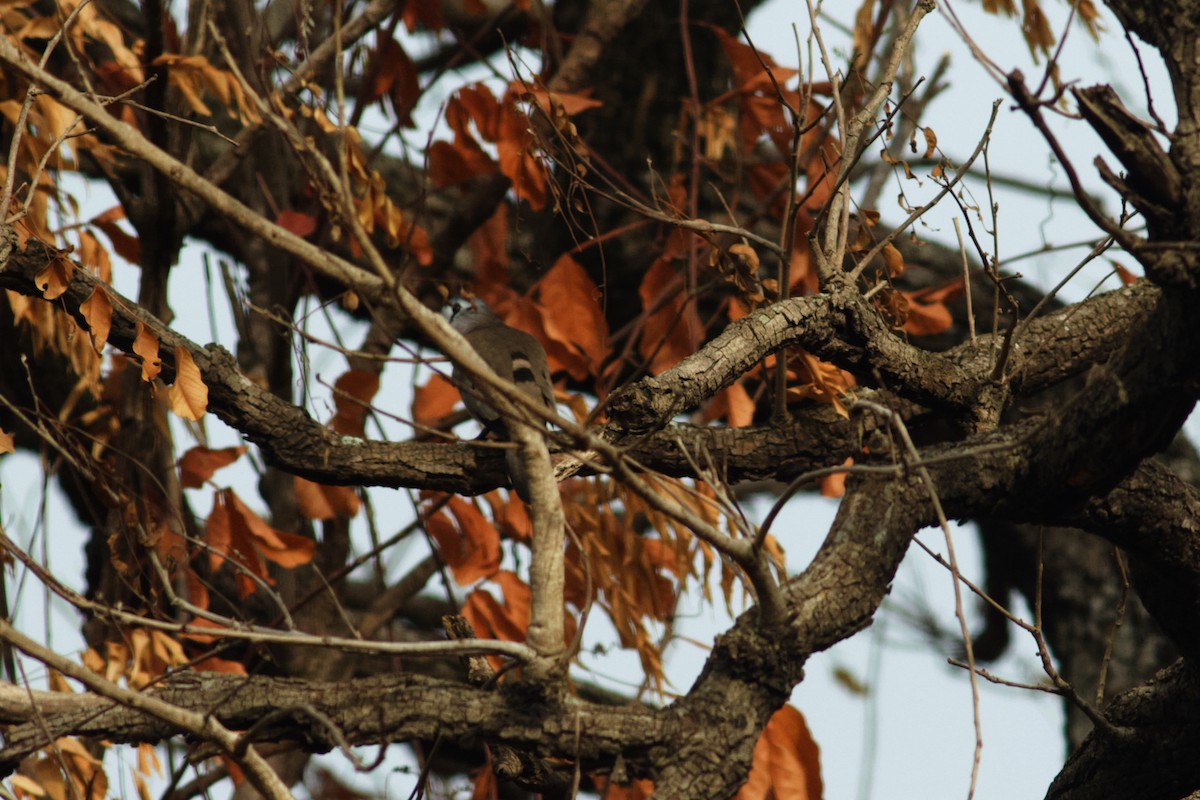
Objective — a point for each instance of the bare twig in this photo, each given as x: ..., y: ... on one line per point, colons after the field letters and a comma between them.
x: 912, y: 453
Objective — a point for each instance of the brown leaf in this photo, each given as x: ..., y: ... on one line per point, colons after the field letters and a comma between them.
x: 927, y: 311
x: 733, y: 404
x: 471, y: 549
x: 214, y: 664
x: 434, y: 401
x: 145, y: 344
x: 865, y: 34
x: 188, y: 395
x: 394, y: 75
x: 353, y: 391
x: 55, y: 278
x: 786, y: 761
x: 93, y: 257
x: 97, y: 312
x: 199, y: 463
x: 296, y: 222
x: 835, y: 485
x: 672, y: 330
x: 491, y: 619
x: 218, y: 531
x: 1124, y: 274
x: 640, y: 789
x: 572, y: 316
x: 425, y: 14
x: 930, y: 142
x: 236, y: 532
x: 893, y: 260
x: 318, y: 501
x: 6, y: 442
x: 285, y: 549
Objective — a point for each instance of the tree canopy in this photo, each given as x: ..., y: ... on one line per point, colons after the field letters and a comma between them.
x: 703, y: 239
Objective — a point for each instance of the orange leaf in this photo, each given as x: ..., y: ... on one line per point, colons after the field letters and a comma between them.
x: 199, y: 463
x: 7, y: 445
x: 786, y: 761
x: 636, y: 790
x: 92, y: 255
x: 422, y: 14
x: 517, y: 596
x: 318, y: 501
x: 218, y: 532
x: 930, y: 142
x: 434, y: 401
x: 296, y: 222
x: 927, y: 311
x: 234, y: 531
x: 55, y: 278
x: 893, y: 260
x: 514, y: 146
x: 145, y: 344
x: 452, y: 164
x: 835, y: 485
x: 573, y: 317
x: 491, y: 619
x: 97, y: 312
x: 485, y: 785
x: 547, y: 101
x: 472, y: 548
x: 127, y: 246
x: 285, y: 549
x: 489, y: 252
x: 352, y: 395
x: 748, y: 65
x: 672, y: 330
x: 733, y: 404
x: 188, y: 395
x: 1124, y: 274
x: 214, y: 664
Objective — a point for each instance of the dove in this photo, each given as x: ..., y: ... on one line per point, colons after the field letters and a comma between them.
x: 516, y: 357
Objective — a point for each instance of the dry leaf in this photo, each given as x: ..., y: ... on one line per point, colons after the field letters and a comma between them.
x: 55, y: 278
x: 786, y: 761
x: 352, y: 396
x: 470, y: 548
x: 434, y: 401
x: 297, y: 222
x: 930, y: 142
x: 145, y: 344
x: 573, y: 319
x: 199, y: 463
x: 127, y: 246
x: 893, y: 260
x: 188, y: 395
x: 318, y: 501
x: 672, y: 330
x: 97, y: 312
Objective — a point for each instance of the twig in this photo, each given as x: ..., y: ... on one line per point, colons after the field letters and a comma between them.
x: 1110, y: 641
x: 254, y: 633
x: 959, y: 174
x: 1032, y: 107
x: 911, y: 452
x: 1064, y: 688
x: 962, y: 250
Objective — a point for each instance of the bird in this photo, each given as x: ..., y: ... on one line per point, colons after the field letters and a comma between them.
x: 516, y: 357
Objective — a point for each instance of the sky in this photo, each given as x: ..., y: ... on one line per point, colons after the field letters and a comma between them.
x: 909, y: 734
